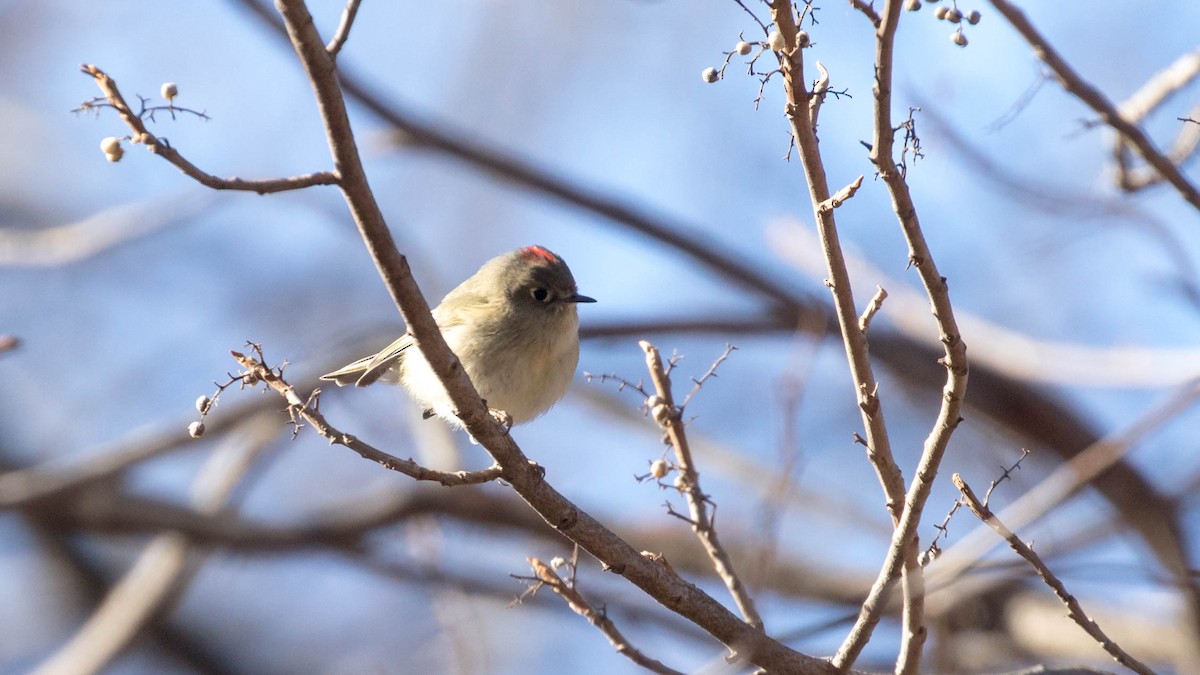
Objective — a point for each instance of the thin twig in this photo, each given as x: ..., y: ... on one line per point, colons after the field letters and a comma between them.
x: 754, y: 16
x: 697, y: 383
x: 1094, y: 99
x: 840, y: 196
x: 671, y: 420
x: 343, y: 30
x: 598, y: 618
x: 256, y: 370
x: 933, y: 551
x: 1074, y: 610
x: 1071, y: 476
x: 155, y: 145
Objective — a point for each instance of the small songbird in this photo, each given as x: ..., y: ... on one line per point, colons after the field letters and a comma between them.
x: 515, y: 329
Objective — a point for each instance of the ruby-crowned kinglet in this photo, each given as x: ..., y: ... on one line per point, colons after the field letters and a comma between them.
x: 515, y: 329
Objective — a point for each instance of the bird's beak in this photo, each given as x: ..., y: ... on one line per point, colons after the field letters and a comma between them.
x: 578, y: 298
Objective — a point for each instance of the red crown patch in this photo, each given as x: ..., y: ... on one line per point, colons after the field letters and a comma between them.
x: 539, y: 252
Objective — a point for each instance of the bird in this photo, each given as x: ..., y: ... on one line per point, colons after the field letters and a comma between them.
x: 513, y: 325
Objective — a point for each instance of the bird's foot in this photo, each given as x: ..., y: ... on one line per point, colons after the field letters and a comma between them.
x: 502, y: 417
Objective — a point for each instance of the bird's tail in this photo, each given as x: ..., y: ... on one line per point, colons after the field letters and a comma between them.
x: 368, y: 369
x: 350, y: 373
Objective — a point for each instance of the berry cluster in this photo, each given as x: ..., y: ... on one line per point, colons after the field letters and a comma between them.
x: 952, y: 14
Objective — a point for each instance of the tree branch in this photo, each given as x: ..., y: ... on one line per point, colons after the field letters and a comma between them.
x: 1084, y: 91
x: 855, y: 341
x: 1074, y: 609
x: 903, y: 548
x: 599, y: 619
x: 108, y: 87
x: 343, y: 30
x: 669, y: 417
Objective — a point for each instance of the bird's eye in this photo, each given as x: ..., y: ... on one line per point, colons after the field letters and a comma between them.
x: 541, y: 294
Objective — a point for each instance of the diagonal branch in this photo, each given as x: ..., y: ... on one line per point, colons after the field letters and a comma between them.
x: 1094, y: 99
x: 598, y: 618
x: 1074, y: 609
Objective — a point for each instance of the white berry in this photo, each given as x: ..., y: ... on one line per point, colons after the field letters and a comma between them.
x: 743, y: 48
x: 775, y: 41
x: 659, y: 468
x: 710, y: 75
x: 196, y: 429
x: 169, y: 90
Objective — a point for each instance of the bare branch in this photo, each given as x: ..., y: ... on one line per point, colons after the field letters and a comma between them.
x: 840, y: 196
x: 878, y: 446
x: 1082, y: 469
x: 343, y: 30
x: 141, y: 135
x: 597, y: 618
x: 877, y: 443
x: 1162, y: 86
x: 1074, y: 610
x: 902, y: 554
x: 864, y: 321
x: 1150, y: 96
x: 1094, y: 99
x: 670, y: 419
